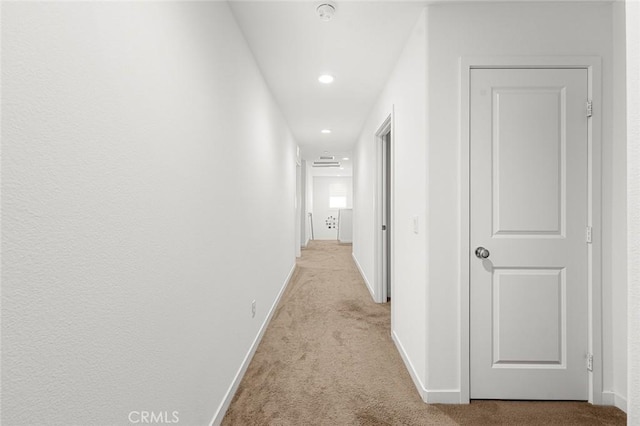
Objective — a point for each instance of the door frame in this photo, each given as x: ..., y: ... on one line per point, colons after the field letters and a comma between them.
x: 593, y: 65
x: 299, y: 204
x: 387, y: 126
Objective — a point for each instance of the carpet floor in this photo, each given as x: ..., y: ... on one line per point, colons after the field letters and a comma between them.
x: 327, y: 358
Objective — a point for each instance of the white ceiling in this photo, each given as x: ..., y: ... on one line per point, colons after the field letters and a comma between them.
x: 358, y: 46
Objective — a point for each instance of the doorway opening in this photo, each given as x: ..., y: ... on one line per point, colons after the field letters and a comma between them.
x: 384, y: 211
x: 299, y: 205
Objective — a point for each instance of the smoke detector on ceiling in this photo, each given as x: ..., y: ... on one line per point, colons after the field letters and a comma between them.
x: 326, y: 11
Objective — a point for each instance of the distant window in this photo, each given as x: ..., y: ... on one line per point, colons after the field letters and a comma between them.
x: 337, y: 202
x: 337, y: 196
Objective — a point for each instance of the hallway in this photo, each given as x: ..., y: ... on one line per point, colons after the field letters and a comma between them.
x: 327, y: 358
x: 163, y: 163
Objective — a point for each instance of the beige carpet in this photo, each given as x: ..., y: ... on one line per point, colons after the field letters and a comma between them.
x: 327, y: 359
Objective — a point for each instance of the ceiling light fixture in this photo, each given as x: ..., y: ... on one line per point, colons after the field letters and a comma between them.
x: 326, y: 11
x: 326, y: 79
x: 345, y: 158
x: 325, y: 131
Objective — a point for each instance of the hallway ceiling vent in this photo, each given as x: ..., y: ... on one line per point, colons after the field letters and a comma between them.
x: 326, y: 11
x: 326, y: 164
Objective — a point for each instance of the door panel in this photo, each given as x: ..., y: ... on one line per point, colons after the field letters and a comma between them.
x: 528, y: 314
x: 528, y: 198
x: 528, y: 160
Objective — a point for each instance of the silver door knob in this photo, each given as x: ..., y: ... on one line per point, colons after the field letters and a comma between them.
x: 482, y: 253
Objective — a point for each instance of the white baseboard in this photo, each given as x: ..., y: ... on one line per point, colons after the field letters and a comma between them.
x: 407, y: 363
x: 612, y: 398
x: 222, y: 409
x: 446, y: 396
x: 364, y: 277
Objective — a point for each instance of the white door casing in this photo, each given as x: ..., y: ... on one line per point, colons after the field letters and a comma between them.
x: 386, y: 217
x: 383, y: 207
x: 528, y: 207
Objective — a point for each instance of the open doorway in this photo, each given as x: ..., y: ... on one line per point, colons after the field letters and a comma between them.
x: 299, y: 205
x: 384, y: 232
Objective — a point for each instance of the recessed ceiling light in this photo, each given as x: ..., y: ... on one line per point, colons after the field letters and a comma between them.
x: 325, y: 131
x: 345, y: 158
x: 326, y: 79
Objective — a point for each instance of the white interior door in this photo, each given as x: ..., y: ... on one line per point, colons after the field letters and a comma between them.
x: 528, y: 189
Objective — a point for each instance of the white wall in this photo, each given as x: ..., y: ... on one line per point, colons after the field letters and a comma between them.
x: 615, y: 228
x: 140, y: 145
x: 345, y: 226
x: 405, y: 94
x: 489, y: 30
x: 321, y: 209
x: 633, y: 207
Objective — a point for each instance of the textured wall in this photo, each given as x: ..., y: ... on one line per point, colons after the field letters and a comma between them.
x: 633, y: 207
x: 139, y: 145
